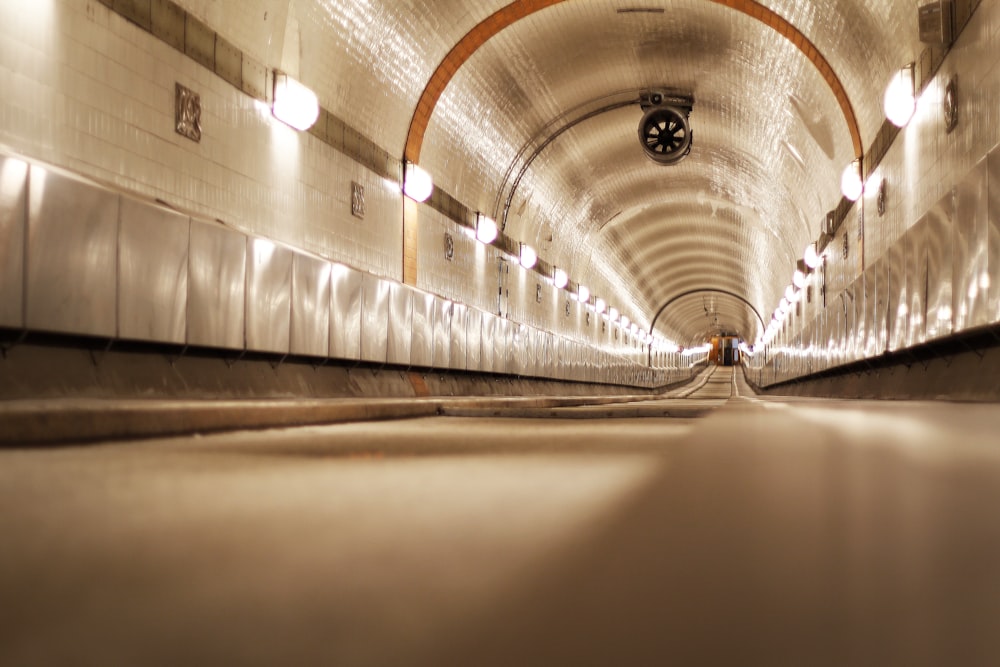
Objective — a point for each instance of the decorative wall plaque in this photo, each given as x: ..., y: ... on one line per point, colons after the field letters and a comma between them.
x: 449, y: 247
x: 187, y: 113
x: 358, y: 200
x: 538, y: 292
x: 567, y: 308
x: 847, y: 246
x: 951, y: 106
x: 880, y: 199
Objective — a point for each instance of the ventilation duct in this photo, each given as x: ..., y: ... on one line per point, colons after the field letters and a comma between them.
x: 664, y: 131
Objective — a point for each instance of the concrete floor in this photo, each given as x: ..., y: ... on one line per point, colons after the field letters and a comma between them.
x: 777, y: 532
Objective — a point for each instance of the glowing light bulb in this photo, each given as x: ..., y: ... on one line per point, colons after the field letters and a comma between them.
x: 486, y: 230
x: 850, y: 181
x: 811, y: 257
x: 417, y: 183
x: 294, y: 104
x: 528, y: 256
x: 900, y: 102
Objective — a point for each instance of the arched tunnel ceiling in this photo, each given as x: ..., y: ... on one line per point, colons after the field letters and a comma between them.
x: 770, y: 136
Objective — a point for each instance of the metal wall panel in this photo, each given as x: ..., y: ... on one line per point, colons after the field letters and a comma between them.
x: 916, y: 282
x: 269, y: 296
x: 13, y: 226
x: 557, y: 357
x: 216, y: 286
x: 515, y: 348
x: 422, y: 339
x: 457, y: 357
x: 474, y: 340
x: 970, y: 272
x: 488, y: 347
x: 400, y: 324
x: 870, y: 346
x: 545, y: 365
x: 374, y: 318
x: 533, y: 351
x: 443, y: 310
x: 898, y: 304
x: 346, y: 303
x: 993, y: 235
x: 526, y: 352
x: 880, y: 323
x: 152, y: 273
x: 502, y: 334
x: 310, y: 328
x: 939, y: 267
x: 72, y: 255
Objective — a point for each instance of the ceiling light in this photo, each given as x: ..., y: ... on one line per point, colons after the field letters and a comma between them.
x: 625, y: 321
x: 584, y: 293
x: 850, y: 181
x: 528, y: 256
x: 559, y: 278
x: 600, y: 306
x: 294, y: 104
x: 486, y: 230
x: 613, y: 314
x: 799, y: 279
x: 417, y: 183
x: 900, y: 101
x: 811, y: 257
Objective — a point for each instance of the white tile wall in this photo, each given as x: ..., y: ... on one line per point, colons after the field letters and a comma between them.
x: 922, y: 167
x: 86, y: 90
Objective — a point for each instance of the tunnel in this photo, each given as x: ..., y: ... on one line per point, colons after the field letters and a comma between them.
x: 500, y: 332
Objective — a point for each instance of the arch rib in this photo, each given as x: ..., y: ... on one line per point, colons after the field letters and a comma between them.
x: 519, y: 9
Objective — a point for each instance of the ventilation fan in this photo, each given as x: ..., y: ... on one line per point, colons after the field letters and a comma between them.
x: 664, y: 131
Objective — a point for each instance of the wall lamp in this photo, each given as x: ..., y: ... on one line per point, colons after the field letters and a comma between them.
x: 528, y: 256
x: 600, y: 306
x: 294, y: 104
x: 613, y: 314
x: 417, y: 183
x: 583, y: 293
x: 811, y: 257
x: 900, y: 101
x: 791, y: 295
x: 486, y: 230
x: 850, y: 181
x: 559, y: 278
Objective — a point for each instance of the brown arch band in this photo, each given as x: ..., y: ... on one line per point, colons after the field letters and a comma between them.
x: 520, y: 9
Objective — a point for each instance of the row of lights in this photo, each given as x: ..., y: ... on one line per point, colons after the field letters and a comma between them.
x: 811, y: 260
x: 297, y: 106
x: 418, y: 186
x: 899, y: 104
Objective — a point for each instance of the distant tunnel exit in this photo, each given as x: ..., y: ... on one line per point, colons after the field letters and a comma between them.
x: 725, y: 350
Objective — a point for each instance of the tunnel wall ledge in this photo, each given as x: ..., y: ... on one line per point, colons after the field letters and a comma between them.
x: 84, y: 260
x: 963, y: 367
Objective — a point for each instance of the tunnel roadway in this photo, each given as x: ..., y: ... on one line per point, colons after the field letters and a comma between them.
x: 707, y: 527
